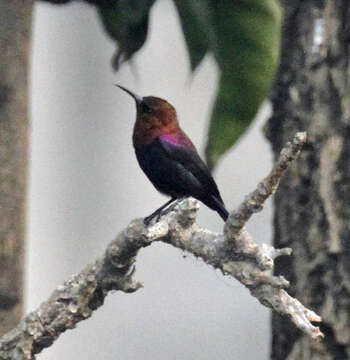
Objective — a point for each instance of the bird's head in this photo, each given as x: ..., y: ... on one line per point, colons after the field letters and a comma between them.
x: 152, y: 113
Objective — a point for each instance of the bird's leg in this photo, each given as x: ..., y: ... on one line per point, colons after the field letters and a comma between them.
x: 157, y: 213
x: 171, y: 207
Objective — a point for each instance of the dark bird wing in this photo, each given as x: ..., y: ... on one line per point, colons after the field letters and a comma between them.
x: 179, y: 171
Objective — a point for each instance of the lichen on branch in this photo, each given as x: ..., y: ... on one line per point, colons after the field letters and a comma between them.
x: 234, y: 252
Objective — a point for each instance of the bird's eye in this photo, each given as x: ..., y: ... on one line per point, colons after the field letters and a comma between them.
x: 146, y: 109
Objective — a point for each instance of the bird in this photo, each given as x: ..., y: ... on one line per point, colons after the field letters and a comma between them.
x: 168, y: 157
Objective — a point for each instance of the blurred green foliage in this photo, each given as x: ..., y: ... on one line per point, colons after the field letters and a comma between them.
x: 246, y: 48
x: 242, y: 35
x: 126, y: 21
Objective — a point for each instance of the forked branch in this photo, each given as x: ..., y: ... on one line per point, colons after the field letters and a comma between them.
x: 233, y: 252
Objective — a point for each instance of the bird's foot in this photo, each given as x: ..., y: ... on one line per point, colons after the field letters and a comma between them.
x: 169, y: 209
x: 165, y: 209
x: 147, y: 220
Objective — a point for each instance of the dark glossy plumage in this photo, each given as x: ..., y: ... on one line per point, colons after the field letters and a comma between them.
x: 168, y: 157
x: 178, y: 171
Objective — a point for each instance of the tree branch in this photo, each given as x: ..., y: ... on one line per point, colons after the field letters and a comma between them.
x: 233, y: 252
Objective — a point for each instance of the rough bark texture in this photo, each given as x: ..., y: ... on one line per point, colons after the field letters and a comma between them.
x: 233, y: 252
x: 15, y: 20
x: 312, y: 207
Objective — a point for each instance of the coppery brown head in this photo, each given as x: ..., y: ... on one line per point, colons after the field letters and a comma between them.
x: 152, y: 112
x: 154, y: 117
x: 155, y: 113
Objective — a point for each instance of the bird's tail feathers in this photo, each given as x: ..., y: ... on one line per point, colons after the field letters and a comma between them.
x: 220, y: 208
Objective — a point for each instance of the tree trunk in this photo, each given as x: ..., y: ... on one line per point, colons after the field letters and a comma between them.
x: 312, y: 205
x: 15, y: 20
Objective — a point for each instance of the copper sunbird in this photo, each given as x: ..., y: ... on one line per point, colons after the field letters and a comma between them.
x: 168, y: 157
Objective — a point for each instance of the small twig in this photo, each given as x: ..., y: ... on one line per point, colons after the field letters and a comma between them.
x: 233, y: 252
x: 254, y: 201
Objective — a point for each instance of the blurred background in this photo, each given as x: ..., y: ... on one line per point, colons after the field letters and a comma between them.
x: 85, y: 186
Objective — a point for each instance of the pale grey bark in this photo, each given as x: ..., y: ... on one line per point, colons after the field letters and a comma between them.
x: 233, y: 252
x: 312, y: 212
x: 15, y: 20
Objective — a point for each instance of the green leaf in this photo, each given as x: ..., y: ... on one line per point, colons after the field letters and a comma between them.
x: 243, y: 36
x: 247, y: 52
x: 195, y: 21
x: 126, y: 21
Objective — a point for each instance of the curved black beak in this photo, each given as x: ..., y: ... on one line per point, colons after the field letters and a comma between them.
x: 138, y: 99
